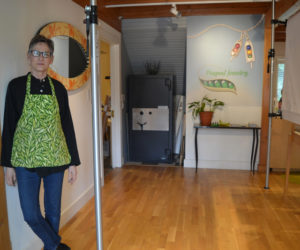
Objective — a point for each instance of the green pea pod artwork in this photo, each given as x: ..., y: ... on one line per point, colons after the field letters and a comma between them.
x: 219, y: 85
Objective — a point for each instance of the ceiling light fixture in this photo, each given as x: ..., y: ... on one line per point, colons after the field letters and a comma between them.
x: 174, y: 11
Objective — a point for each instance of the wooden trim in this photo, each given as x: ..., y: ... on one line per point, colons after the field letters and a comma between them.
x: 265, y: 95
x: 182, y: 2
x: 4, y: 230
x: 118, y: 2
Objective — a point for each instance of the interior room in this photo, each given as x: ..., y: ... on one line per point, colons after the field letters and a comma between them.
x: 169, y: 182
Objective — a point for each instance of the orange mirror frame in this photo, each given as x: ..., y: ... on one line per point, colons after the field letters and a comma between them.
x: 65, y: 29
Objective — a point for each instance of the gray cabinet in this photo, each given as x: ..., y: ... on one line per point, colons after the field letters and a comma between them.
x: 150, y: 112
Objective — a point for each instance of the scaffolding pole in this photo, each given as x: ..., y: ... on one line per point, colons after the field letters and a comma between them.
x: 271, y: 55
x: 91, y: 23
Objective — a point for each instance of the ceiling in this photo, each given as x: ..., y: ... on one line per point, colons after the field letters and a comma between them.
x: 112, y: 11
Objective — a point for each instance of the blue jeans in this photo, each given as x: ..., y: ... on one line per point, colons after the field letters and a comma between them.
x: 29, y: 188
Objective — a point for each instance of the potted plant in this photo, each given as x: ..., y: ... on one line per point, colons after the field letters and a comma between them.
x: 205, y: 108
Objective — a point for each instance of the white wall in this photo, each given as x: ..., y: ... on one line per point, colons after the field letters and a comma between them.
x: 210, y: 52
x: 19, y: 21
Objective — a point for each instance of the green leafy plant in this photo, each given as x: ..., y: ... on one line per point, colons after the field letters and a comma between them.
x: 206, y: 104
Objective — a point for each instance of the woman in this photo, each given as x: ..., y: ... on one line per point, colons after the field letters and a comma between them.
x: 39, y: 142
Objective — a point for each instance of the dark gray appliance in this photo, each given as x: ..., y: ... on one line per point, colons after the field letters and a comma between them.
x: 150, y: 100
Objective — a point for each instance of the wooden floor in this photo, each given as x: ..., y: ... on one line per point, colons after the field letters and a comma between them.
x: 156, y: 208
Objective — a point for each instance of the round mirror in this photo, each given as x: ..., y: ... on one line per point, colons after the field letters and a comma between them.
x: 69, y: 57
x: 70, y: 65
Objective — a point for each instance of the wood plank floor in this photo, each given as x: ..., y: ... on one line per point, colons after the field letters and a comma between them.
x: 170, y: 208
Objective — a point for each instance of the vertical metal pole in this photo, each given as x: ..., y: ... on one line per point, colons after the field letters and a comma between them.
x: 96, y: 131
x: 270, y: 98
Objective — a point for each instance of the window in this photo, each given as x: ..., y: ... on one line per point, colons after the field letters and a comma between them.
x: 280, y: 79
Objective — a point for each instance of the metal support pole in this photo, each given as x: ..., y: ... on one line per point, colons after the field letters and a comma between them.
x: 98, y: 164
x: 271, y: 97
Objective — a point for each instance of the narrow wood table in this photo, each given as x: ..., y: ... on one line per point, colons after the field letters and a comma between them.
x: 254, y: 141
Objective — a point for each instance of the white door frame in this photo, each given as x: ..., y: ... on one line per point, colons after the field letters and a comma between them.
x: 113, y: 38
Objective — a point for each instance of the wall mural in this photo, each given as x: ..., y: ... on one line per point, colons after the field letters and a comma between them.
x: 248, y: 47
x: 213, y: 70
x: 216, y: 80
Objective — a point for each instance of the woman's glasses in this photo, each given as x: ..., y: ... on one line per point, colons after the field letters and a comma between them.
x: 37, y: 53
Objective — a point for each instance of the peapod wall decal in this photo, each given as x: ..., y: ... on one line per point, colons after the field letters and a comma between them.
x: 215, y: 79
x: 219, y: 85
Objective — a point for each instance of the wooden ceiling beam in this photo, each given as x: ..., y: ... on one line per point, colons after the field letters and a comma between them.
x: 194, y: 10
x: 228, y: 9
x: 112, y: 14
x: 282, y: 6
x: 109, y: 16
x: 280, y: 33
x: 121, y: 2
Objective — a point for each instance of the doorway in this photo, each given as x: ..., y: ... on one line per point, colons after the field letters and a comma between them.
x: 107, y: 112
x: 112, y: 39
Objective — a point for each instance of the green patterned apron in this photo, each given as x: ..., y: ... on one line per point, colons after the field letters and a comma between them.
x: 39, y: 140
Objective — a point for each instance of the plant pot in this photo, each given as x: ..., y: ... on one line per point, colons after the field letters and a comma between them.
x: 206, y: 117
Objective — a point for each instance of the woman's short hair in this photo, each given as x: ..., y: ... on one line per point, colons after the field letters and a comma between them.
x: 41, y: 39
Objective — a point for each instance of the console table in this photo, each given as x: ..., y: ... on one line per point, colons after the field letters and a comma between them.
x: 254, y: 141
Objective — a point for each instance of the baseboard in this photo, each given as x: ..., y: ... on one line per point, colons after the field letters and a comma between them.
x: 76, y: 205
x: 35, y: 244
x: 234, y: 165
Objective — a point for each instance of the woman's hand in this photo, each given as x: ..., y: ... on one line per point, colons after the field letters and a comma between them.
x: 72, y: 174
x: 10, y: 177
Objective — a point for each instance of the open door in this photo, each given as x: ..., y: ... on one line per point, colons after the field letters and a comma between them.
x: 4, y: 232
x: 113, y: 39
x: 107, y: 111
